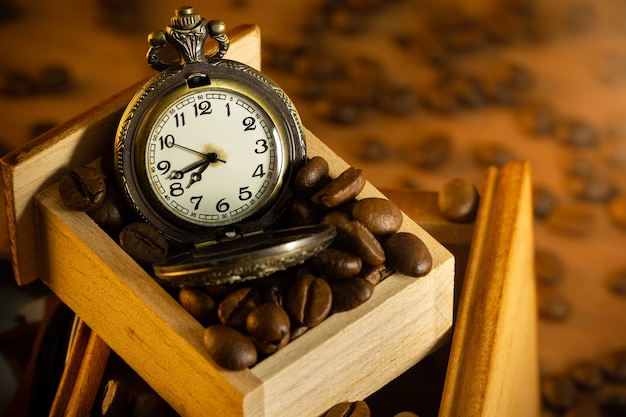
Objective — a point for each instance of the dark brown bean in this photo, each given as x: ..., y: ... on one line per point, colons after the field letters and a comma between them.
x: 375, y: 273
x: 113, y: 213
x: 309, y: 300
x: 349, y: 409
x: 375, y: 150
x: 303, y: 213
x: 616, y: 282
x: 311, y: 177
x: 617, y: 210
x: 397, y: 100
x: 199, y: 304
x: 55, y: 79
x: 235, y: 307
x: 83, y: 188
x: 552, y: 305
x: 229, y: 348
x: 558, y: 391
x: 350, y: 293
x: 544, y: 201
x: 408, y: 254
x: 587, y: 375
x: 339, y: 219
x: 548, y: 267
x: 458, y: 200
x: 144, y: 243
x: 335, y: 263
x: 115, y: 399
x: 592, y: 188
x: 341, y: 189
x: 576, y: 133
x: 379, y: 215
x: 358, y: 240
x: 268, y: 325
x: 429, y: 152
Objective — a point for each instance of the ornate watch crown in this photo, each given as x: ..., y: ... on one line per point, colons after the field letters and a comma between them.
x: 185, y: 18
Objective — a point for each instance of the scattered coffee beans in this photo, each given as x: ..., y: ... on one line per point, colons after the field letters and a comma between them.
x: 199, y: 304
x: 311, y: 177
x: 309, y: 300
x: 552, y: 305
x: 341, y: 189
x: 144, y: 243
x: 458, y: 200
x: 229, y: 348
x: 407, y: 254
x: 83, y: 188
x: 379, y: 215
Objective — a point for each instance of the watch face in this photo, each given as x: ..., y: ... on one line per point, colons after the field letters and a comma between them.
x: 212, y: 157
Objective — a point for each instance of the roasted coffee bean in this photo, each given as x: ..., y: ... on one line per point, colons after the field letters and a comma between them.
x: 379, y: 215
x: 335, y: 263
x: 558, y: 391
x: 309, y: 300
x: 358, y: 240
x: 273, y: 294
x: 544, y: 201
x: 537, y: 119
x: 552, y: 305
x: 149, y: 405
x: 570, y: 220
x: 268, y: 325
x: 341, y: 189
x: 592, y: 188
x: 229, y: 348
x: 548, y: 267
x: 303, y: 213
x: 113, y: 213
x: 396, y: 100
x: 614, y: 365
x: 430, y: 151
x: 199, y: 304
x: 55, y: 79
x: 235, y: 307
x: 339, y: 219
x: 144, y: 243
x: 83, y: 188
x: 587, y: 375
x: 350, y: 293
x: 617, y: 210
x: 349, y: 409
x: 458, y: 200
x: 491, y: 154
x: 576, y: 133
x: 375, y: 150
x: 311, y: 177
x: 408, y: 254
x: 115, y: 399
x: 616, y: 282
x: 375, y: 273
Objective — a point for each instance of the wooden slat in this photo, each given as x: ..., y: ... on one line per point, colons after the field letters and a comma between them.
x: 41, y: 162
x: 493, y: 365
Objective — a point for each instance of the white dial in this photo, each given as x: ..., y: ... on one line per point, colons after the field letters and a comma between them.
x: 213, y: 157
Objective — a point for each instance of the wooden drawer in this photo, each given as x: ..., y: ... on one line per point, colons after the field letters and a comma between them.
x: 493, y: 364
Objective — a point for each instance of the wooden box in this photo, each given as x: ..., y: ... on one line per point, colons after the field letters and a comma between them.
x: 350, y: 355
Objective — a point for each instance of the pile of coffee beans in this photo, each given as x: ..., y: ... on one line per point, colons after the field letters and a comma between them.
x: 589, y: 388
x: 245, y: 323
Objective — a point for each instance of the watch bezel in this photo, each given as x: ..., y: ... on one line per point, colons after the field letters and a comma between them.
x: 166, y: 87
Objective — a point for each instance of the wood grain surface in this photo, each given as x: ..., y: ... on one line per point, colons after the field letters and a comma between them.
x: 579, y: 66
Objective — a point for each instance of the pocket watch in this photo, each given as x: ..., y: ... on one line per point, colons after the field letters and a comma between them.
x: 206, y: 151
